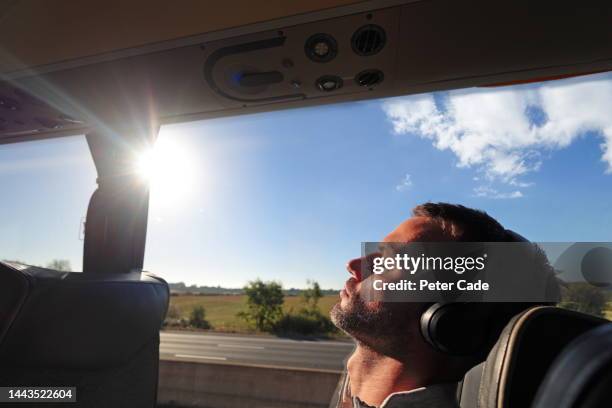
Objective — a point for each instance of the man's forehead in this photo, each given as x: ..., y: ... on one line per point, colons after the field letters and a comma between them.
x: 417, y: 229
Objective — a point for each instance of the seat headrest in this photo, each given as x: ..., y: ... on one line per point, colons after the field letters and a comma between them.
x: 14, y: 287
x: 50, y: 318
x: 524, y: 352
x: 581, y: 377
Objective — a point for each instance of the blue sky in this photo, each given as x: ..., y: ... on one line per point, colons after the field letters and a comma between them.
x: 290, y: 195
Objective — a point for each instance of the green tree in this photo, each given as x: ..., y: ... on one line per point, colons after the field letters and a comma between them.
x: 311, y: 295
x: 198, y: 318
x: 264, y: 304
x: 584, y: 297
x: 60, y: 265
x: 308, y: 320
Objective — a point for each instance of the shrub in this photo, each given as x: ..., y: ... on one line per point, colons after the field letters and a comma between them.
x: 173, y: 312
x: 197, y: 318
x: 311, y: 295
x: 305, y: 322
x: 173, y: 318
x: 584, y: 297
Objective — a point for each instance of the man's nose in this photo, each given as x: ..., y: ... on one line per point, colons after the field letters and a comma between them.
x: 356, y: 266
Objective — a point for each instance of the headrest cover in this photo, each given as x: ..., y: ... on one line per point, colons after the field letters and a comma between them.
x: 13, y: 291
x: 581, y: 376
x: 524, y: 352
x: 58, y: 318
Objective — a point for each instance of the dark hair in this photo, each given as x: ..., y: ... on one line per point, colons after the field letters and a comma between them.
x: 469, y: 225
x: 463, y: 223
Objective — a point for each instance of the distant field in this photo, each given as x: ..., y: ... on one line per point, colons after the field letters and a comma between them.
x: 221, y: 310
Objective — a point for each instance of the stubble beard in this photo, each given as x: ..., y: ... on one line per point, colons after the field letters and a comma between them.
x: 381, y: 326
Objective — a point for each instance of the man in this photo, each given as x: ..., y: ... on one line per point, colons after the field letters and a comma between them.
x: 393, y: 366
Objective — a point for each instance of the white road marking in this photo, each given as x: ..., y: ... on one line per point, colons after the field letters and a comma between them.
x: 202, y: 357
x: 259, y: 339
x: 241, y: 346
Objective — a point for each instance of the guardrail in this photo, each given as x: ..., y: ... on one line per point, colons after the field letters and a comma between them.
x: 216, y: 385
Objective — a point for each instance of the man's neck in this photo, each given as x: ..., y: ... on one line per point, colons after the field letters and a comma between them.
x: 374, y: 376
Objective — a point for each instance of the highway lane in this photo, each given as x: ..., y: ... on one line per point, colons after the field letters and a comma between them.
x: 256, y: 350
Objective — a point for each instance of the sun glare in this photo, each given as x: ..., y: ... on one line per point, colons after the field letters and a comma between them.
x: 170, y: 170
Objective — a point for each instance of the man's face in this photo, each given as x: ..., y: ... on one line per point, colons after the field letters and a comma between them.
x: 378, y: 323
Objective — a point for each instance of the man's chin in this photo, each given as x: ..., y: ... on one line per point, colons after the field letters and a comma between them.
x: 337, y: 314
x: 344, y: 315
x: 344, y: 302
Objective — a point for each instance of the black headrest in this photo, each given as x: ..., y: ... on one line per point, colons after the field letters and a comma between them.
x: 581, y: 377
x: 51, y: 318
x: 519, y: 360
x: 13, y: 292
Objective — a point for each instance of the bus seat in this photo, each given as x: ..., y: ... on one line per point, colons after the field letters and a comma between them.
x: 519, y: 360
x: 581, y: 377
x: 96, y: 332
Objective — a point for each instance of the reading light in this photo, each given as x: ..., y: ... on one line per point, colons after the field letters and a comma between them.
x: 328, y: 83
x: 321, y: 47
x: 369, y: 78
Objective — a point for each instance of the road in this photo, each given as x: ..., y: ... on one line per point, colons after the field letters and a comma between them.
x: 257, y: 350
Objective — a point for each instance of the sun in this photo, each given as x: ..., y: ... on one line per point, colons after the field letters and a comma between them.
x: 170, y: 170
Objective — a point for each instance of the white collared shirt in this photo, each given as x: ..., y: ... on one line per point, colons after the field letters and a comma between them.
x: 433, y: 396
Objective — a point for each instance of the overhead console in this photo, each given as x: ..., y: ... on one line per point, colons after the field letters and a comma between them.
x: 354, y: 51
x: 304, y: 61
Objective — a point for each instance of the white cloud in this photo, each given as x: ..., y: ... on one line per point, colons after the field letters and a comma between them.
x: 521, y: 184
x: 489, y: 192
x: 505, y: 132
x: 405, y: 184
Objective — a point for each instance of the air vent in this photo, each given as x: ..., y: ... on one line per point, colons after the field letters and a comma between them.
x: 368, y: 40
x: 369, y: 78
